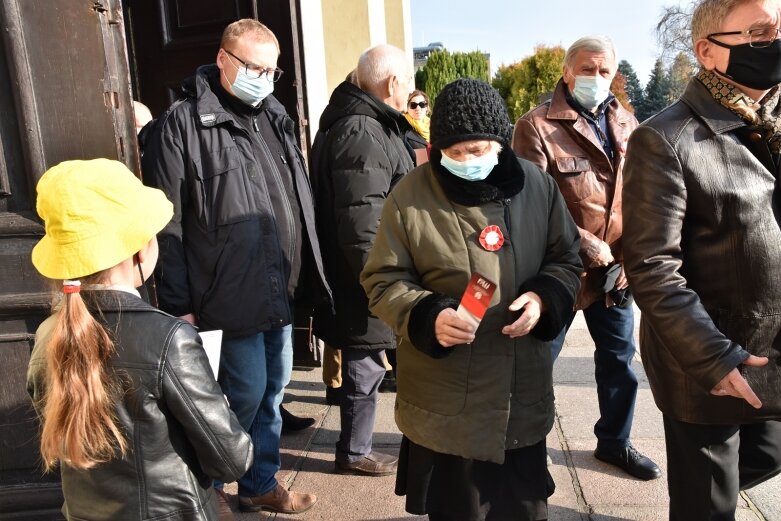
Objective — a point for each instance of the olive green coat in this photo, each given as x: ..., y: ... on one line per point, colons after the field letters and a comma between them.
x: 474, y: 401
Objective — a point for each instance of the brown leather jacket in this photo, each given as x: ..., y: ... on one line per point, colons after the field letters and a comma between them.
x: 561, y: 142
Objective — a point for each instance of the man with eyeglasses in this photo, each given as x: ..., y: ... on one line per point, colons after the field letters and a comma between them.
x: 702, y: 245
x: 579, y: 137
x: 226, y: 156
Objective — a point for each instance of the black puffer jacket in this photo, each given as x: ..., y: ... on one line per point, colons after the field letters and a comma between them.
x: 220, y: 256
x: 180, y: 431
x: 358, y: 156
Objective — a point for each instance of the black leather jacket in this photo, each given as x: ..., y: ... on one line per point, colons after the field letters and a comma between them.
x: 180, y: 431
x: 702, y: 247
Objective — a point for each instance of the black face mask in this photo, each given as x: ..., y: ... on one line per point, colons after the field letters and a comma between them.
x: 754, y: 67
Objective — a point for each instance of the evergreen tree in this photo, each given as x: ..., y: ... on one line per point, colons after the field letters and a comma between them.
x: 657, y: 92
x: 633, y: 88
x: 471, y: 65
x: 442, y: 67
x: 681, y: 71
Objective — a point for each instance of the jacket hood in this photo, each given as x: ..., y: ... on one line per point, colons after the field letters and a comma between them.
x: 349, y: 100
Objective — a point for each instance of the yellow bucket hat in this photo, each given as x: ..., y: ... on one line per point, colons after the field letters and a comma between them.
x: 96, y: 214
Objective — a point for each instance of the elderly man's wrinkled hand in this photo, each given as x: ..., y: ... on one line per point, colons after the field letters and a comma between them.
x: 736, y: 386
x: 531, y: 303
x: 602, y: 256
x: 450, y: 329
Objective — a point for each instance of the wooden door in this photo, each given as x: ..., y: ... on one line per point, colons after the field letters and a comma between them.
x: 170, y: 39
x: 64, y: 94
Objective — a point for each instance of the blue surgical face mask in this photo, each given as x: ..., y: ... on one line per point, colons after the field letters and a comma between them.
x: 591, y: 91
x: 475, y: 169
x: 251, y: 90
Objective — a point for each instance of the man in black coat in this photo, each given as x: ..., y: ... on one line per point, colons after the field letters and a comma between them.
x: 702, y: 229
x: 242, y: 233
x: 358, y: 156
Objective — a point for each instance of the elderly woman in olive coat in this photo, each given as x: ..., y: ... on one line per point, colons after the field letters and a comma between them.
x: 474, y: 403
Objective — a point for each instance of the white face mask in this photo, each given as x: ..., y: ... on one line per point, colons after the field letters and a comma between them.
x: 475, y: 169
x: 251, y: 90
x: 591, y: 91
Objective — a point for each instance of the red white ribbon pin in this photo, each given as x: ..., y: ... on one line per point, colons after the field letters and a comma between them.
x: 491, y: 238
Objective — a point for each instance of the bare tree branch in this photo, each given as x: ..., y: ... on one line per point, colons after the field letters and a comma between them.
x: 673, y: 31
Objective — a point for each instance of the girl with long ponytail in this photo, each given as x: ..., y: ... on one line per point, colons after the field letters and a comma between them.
x: 129, y: 408
x: 81, y: 427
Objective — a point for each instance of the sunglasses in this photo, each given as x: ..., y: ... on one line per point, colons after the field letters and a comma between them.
x: 415, y: 104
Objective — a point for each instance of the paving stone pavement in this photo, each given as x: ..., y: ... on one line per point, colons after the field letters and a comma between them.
x: 586, y: 489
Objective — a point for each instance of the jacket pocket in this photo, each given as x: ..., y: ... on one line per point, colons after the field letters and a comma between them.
x: 574, y: 177
x: 224, y: 188
x: 436, y: 385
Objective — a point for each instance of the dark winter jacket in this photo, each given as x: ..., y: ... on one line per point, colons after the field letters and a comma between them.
x: 221, y: 257
x: 180, y: 431
x: 358, y: 156
x: 702, y: 243
x: 478, y: 400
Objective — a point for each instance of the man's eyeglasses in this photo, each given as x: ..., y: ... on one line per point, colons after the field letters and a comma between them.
x: 415, y: 104
x: 761, y: 37
x: 254, y: 71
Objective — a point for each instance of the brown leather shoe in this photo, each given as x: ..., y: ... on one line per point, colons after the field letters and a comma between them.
x: 279, y: 500
x: 223, y: 506
x: 375, y: 464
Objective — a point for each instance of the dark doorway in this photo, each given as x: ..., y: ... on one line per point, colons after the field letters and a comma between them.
x: 169, y: 39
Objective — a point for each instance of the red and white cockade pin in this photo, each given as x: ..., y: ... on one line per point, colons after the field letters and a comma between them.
x: 491, y: 238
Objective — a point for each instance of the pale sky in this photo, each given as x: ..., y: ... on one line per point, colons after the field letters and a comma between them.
x: 510, y: 29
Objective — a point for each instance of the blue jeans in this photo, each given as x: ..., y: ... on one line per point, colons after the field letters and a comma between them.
x: 254, y: 371
x: 612, y: 330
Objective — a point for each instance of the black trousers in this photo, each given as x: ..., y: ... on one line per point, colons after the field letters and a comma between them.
x: 708, y: 465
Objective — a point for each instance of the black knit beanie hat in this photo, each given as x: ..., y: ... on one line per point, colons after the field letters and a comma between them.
x: 469, y: 109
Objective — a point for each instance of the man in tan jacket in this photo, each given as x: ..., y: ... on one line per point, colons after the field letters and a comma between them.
x: 579, y: 137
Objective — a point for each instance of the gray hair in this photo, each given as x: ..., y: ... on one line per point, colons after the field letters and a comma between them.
x: 379, y: 63
x: 708, y: 16
x: 593, y: 43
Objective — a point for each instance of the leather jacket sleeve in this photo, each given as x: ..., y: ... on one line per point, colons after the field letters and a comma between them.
x: 223, y: 449
x: 655, y: 209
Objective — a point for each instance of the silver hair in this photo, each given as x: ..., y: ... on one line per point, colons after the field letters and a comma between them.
x: 379, y: 63
x: 593, y: 43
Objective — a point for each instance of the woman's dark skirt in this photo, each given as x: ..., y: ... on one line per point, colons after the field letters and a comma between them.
x: 452, y: 488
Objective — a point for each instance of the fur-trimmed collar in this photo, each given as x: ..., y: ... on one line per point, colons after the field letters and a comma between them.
x: 504, y: 181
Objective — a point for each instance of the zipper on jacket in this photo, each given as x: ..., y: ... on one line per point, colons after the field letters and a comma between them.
x: 288, y: 209
x: 506, y: 203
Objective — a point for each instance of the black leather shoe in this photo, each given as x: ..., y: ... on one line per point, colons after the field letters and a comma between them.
x: 333, y: 395
x: 388, y: 383
x: 631, y: 461
x: 375, y: 464
x: 292, y: 423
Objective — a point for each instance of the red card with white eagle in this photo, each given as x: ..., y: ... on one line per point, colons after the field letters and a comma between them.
x: 476, y: 299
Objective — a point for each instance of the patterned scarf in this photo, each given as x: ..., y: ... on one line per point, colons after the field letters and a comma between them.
x: 763, y: 117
